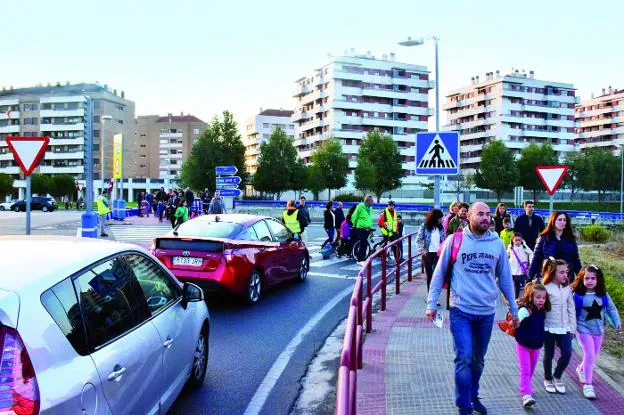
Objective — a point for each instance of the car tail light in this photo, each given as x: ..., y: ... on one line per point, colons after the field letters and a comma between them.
x: 19, y: 391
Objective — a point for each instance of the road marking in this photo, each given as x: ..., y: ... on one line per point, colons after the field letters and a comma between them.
x: 327, y: 262
x: 327, y: 275
x: 268, y: 383
x: 131, y: 233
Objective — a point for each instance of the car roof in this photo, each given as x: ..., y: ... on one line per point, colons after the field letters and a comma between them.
x: 39, y: 262
x: 239, y: 218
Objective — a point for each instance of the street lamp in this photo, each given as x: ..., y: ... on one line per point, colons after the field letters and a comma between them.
x: 417, y: 42
x: 621, y: 179
x: 103, y: 148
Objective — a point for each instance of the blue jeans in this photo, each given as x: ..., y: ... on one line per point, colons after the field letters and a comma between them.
x: 330, y: 236
x: 471, y: 336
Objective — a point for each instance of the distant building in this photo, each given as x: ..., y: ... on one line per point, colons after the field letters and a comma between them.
x: 600, y: 121
x: 259, y: 128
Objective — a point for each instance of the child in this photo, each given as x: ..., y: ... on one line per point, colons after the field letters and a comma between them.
x: 560, y: 322
x: 507, y: 233
x: 400, y: 227
x: 345, y: 234
x: 530, y: 335
x: 182, y: 212
x: 593, y: 304
x: 520, y: 256
x: 145, y: 208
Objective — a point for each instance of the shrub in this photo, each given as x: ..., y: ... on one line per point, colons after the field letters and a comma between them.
x: 348, y: 197
x: 595, y: 233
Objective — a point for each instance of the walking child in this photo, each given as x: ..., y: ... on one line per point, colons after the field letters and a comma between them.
x: 520, y: 256
x: 593, y: 305
x: 182, y: 212
x: 506, y: 233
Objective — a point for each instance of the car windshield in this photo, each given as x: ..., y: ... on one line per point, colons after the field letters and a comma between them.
x: 205, y: 229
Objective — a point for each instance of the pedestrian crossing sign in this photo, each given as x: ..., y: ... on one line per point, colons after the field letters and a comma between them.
x: 437, y: 153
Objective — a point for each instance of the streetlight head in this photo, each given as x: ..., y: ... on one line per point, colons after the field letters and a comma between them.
x: 412, y: 42
x: 107, y: 117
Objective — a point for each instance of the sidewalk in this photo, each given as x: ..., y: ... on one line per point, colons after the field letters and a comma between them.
x: 408, y: 369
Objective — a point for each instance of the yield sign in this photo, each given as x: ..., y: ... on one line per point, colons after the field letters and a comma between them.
x: 27, y: 151
x: 551, y: 176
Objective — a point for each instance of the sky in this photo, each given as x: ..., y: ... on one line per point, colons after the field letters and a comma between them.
x: 203, y: 57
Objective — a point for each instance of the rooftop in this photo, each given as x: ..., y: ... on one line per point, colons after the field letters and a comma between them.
x: 179, y: 118
x: 277, y: 113
x: 68, y: 89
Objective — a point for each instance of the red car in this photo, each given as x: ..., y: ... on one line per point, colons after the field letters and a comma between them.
x: 243, y: 254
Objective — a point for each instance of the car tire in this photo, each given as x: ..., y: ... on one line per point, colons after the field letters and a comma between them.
x: 200, y: 358
x: 254, y: 288
x: 16, y: 209
x: 44, y: 208
x: 1, y: 208
x: 304, y: 267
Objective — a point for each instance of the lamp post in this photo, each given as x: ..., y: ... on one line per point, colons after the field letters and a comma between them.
x: 103, y: 149
x: 418, y: 42
x: 621, y: 179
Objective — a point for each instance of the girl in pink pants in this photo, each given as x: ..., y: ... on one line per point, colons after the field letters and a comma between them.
x: 593, y: 305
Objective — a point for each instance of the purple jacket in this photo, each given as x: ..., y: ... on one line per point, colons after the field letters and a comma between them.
x: 345, y: 230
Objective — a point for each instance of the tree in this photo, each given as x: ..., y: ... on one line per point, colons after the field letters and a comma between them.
x: 299, y: 177
x: 6, y: 185
x: 379, y: 166
x: 314, y: 179
x: 40, y: 184
x: 580, y: 175
x: 497, y: 170
x: 276, y: 165
x: 61, y: 185
x: 532, y: 156
x: 606, y: 167
x: 332, y: 164
x: 219, y: 145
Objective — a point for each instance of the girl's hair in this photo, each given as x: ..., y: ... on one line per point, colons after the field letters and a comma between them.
x: 549, y: 232
x: 349, y: 214
x: 529, y: 296
x: 579, y: 283
x: 549, y: 269
x: 500, y: 205
x: 452, y: 205
x: 329, y: 205
x: 432, y: 220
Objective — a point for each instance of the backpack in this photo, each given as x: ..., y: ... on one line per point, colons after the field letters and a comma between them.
x: 327, y: 250
x: 578, y: 304
x: 455, y: 245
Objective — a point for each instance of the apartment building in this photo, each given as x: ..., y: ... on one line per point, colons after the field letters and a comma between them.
x: 354, y: 94
x: 163, y: 143
x: 59, y: 112
x: 259, y: 128
x: 515, y: 108
x: 600, y: 121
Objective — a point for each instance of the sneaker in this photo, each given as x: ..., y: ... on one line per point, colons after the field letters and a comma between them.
x: 580, y: 374
x: 550, y: 388
x: 559, y: 386
x: 104, y: 235
x: 528, y: 401
x: 478, y: 407
x: 588, y: 392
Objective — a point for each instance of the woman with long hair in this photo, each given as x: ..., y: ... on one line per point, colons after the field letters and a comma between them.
x: 557, y: 241
x: 329, y: 223
x: 429, y: 239
x: 499, y: 215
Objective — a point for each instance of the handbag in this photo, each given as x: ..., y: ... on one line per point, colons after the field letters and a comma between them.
x: 507, y: 325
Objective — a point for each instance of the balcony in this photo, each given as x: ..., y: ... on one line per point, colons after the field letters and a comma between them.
x: 57, y: 155
x: 62, y: 170
x: 300, y: 115
x: 171, y: 145
x: 10, y: 129
x: 14, y: 115
x: 62, y: 127
x: 79, y: 112
x: 10, y: 170
x: 171, y: 135
x: 301, y: 90
x: 68, y: 141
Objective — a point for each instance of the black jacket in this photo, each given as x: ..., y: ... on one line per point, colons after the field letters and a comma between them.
x: 329, y: 220
x: 563, y: 248
x: 529, y: 233
x: 161, y: 196
x: 189, y: 196
x: 340, y: 217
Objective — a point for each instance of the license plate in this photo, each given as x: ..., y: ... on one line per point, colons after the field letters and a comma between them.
x: 190, y: 261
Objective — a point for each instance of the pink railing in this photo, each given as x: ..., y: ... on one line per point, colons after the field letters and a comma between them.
x: 360, y: 311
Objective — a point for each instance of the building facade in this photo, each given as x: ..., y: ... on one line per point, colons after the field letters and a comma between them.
x: 600, y: 121
x: 163, y: 143
x: 59, y: 113
x: 259, y: 128
x: 515, y: 108
x: 355, y: 94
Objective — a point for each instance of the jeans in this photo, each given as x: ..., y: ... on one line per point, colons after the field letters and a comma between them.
x: 564, y: 342
x: 430, y: 260
x: 103, y: 224
x: 471, y: 336
x: 591, y: 349
x: 330, y: 236
x: 527, y: 361
x: 360, y: 235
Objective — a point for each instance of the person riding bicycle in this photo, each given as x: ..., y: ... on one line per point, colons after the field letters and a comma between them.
x: 362, y: 222
x: 389, y: 223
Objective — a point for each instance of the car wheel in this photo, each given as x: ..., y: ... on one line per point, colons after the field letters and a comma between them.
x: 254, y: 287
x: 16, y: 209
x: 1, y: 208
x: 200, y: 359
x: 44, y: 208
x: 304, y: 267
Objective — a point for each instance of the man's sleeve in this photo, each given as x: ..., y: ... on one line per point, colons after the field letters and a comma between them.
x: 355, y: 216
x: 437, y: 280
x: 505, y: 280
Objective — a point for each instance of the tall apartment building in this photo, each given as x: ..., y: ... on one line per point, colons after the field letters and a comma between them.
x: 59, y: 113
x: 163, y: 143
x: 515, y: 108
x: 259, y: 128
x: 600, y: 121
x: 352, y: 95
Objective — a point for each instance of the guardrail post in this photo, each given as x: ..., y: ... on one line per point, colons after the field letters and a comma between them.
x: 409, y: 258
x: 369, y: 295
x: 397, y: 269
x: 384, y: 280
x: 359, y: 303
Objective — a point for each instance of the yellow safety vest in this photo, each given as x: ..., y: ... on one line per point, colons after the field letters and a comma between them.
x: 292, y: 221
x: 102, y: 208
x: 391, y: 223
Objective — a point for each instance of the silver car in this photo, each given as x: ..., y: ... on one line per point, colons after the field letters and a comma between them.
x: 95, y: 327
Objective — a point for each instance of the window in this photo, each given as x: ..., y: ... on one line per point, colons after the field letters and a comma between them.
x: 196, y: 131
x: 248, y: 235
x: 207, y: 229
x: 262, y: 230
x: 96, y: 105
x: 159, y: 290
x: 280, y: 233
x: 265, y: 125
x: 61, y: 303
x: 31, y: 106
x: 110, y: 300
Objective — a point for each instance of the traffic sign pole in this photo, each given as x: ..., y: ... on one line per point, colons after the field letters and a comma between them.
x: 550, y: 204
x: 28, y: 205
x: 436, y: 188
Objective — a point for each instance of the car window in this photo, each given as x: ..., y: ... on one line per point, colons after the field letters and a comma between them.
x: 209, y: 229
x: 262, y: 230
x: 158, y: 288
x: 110, y: 300
x: 280, y: 234
x: 61, y: 303
x: 248, y: 235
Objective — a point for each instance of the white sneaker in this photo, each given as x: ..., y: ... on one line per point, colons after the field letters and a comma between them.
x: 559, y: 386
x: 527, y: 401
x: 580, y: 374
x: 550, y: 388
x: 588, y: 392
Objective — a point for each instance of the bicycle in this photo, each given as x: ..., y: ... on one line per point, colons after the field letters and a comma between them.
x: 372, y: 246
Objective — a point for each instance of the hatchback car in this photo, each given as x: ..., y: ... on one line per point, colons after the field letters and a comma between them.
x: 240, y: 254
x: 7, y: 205
x: 95, y: 327
x: 46, y: 204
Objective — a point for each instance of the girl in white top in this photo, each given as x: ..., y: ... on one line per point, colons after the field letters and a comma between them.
x: 520, y: 256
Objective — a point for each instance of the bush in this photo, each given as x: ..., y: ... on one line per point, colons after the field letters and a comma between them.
x: 595, y: 233
x: 348, y: 197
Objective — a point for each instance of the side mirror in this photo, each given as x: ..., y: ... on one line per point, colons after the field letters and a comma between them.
x: 191, y: 293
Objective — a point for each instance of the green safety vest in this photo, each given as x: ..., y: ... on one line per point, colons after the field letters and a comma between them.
x: 102, y: 208
x: 292, y: 221
x: 391, y: 223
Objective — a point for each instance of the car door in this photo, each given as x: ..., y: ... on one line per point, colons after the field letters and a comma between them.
x: 267, y: 259
x: 35, y: 203
x: 175, y: 325
x: 126, y: 347
x: 289, y: 256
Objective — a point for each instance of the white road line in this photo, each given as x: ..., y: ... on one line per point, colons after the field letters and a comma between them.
x: 327, y: 262
x: 268, y: 383
x: 137, y: 233
x: 338, y: 276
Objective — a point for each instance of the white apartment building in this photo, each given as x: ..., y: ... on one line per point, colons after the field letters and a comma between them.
x: 515, y: 108
x: 259, y: 128
x: 352, y: 95
x: 600, y: 121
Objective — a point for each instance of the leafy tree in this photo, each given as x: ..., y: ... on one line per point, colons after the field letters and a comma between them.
x: 379, y: 166
x: 6, y: 185
x: 497, y: 170
x: 61, y: 185
x: 40, y: 184
x: 606, y: 167
x: 532, y: 156
x: 299, y: 177
x: 219, y: 145
x: 314, y: 180
x: 277, y: 165
x: 332, y: 164
x: 580, y: 174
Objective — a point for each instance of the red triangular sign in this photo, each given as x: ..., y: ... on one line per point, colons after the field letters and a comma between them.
x: 551, y: 176
x: 27, y: 151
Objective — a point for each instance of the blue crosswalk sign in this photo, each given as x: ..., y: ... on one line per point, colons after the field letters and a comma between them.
x: 437, y: 153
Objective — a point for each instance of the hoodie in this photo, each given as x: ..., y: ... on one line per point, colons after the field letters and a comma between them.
x: 481, y: 260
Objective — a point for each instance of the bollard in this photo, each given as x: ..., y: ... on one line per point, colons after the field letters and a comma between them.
x: 89, y: 225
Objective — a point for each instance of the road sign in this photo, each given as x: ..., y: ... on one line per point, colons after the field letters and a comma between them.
x: 230, y: 192
x: 27, y: 151
x: 226, y: 186
x: 226, y: 170
x: 228, y: 181
x: 551, y: 176
x: 437, y: 153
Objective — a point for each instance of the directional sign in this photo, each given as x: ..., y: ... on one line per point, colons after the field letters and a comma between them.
x: 230, y: 192
x: 27, y: 151
x: 437, y: 153
x: 226, y: 170
x: 226, y: 186
x: 228, y: 181
x: 551, y: 176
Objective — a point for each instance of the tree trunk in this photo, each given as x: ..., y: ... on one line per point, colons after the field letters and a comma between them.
x: 379, y: 196
x: 329, y: 194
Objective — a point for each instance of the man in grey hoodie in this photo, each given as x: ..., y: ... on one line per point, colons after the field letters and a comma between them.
x: 474, y: 291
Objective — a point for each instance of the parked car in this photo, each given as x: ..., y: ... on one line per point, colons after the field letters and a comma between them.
x: 240, y: 254
x: 44, y: 203
x: 7, y: 205
x: 95, y: 327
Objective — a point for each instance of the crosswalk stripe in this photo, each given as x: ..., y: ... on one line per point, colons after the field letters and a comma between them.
x: 328, y: 275
x: 136, y: 233
x: 326, y: 262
